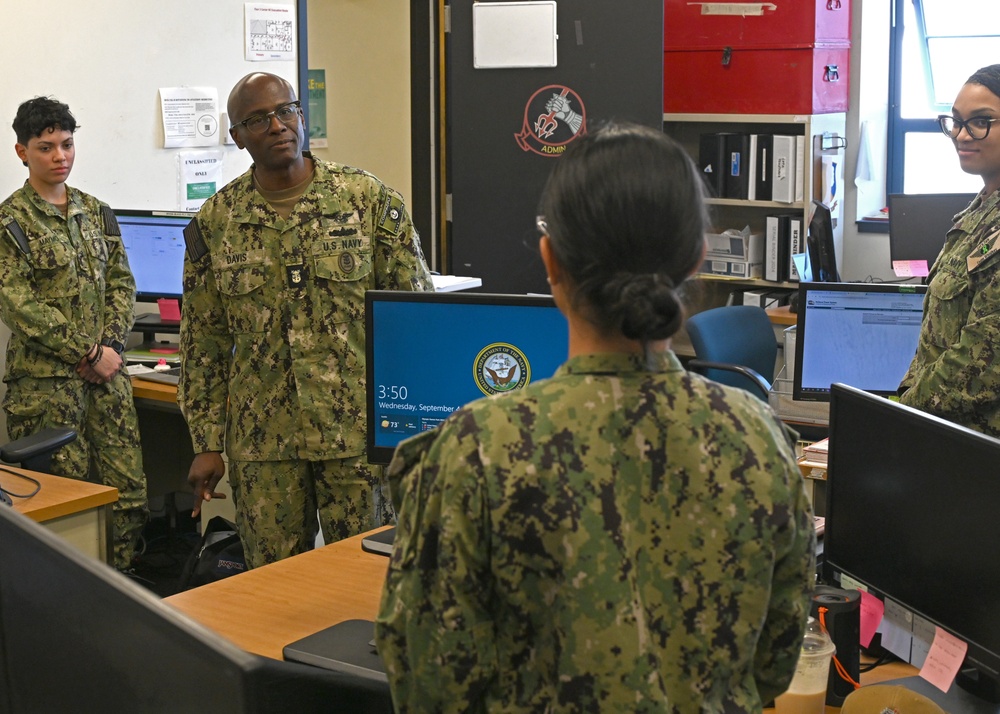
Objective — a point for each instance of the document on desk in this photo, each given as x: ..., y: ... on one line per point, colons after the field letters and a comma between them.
x: 345, y: 647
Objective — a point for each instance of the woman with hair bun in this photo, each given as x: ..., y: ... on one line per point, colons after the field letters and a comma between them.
x: 625, y: 536
x: 954, y: 372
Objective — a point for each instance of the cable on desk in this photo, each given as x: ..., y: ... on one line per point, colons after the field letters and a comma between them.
x: 38, y: 484
x: 841, y: 669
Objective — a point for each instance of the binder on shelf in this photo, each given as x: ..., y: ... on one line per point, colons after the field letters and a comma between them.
x: 737, y: 166
x: 761, y: 170
x: 800, y: 174
x: 734, y: 253
x: 711, y: 162
x: 776, y: 247
x: 796, y: 245
x: 783, y: 169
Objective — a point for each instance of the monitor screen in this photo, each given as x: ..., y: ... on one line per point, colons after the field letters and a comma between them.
x: 154, y: 243
x: 76, y: 635
x: 918, y: 223
x: 911, y: 514
x: 430, y: 353
x: 862, y: 334
x: 820, y: 245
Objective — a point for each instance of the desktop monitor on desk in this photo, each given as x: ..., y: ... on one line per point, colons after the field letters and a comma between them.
x: 919, y: 222
x: 912, y: 504
x: 76, y: 635
x: 154, y: 244
x: 862, y: 334
x: 430, y: 353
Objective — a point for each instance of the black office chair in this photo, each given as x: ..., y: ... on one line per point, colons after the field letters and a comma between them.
x: 34, y: 452
x: 734, y: 345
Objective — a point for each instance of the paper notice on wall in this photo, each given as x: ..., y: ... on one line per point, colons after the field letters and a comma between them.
x: 743, y: 9
x: 199, y: 177
x: 190, y: 116
x: 270, y: 32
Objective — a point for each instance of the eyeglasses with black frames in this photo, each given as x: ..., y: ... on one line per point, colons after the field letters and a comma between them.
x: 976, y: 127
x: 287, y: 114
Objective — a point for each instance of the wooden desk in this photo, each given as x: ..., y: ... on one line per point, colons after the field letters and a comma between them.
x: 78, y: 511
x: 156, y: 391
x: 263, y: 610
x: 782, y: 316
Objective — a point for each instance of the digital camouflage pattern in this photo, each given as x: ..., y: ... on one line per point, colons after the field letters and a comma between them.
x: 954, y: 373
x: 272, y: 331
x: 608, y: 540
x: 74, y: 289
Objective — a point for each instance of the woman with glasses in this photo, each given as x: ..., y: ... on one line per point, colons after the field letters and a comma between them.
x: 954, y: 373
x: 625, y: 536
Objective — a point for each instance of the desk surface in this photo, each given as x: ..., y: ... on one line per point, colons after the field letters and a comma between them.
x: 263, y: 610
x: 782, y: 315
x: 57, y: 497
x: 157, y: 391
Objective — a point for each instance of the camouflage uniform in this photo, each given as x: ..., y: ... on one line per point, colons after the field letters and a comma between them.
x: 954, y: 373
x: 73, y: 290
x: 608, y: 540
x: 273, y: 327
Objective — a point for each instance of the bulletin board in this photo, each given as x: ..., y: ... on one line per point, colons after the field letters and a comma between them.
x: 107, y: 59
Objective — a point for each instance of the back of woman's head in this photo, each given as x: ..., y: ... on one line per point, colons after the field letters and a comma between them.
x: 625, y: 214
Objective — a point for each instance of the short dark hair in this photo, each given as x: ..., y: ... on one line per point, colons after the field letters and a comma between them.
x: 625, y: 214
x: 988, y: 77
x: 40, y: 114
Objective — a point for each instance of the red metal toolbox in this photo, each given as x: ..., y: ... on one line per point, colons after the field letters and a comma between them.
x: 778, y: 23
x: 807, y: 80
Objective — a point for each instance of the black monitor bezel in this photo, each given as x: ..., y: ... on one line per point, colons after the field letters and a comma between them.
x: 821, y: 246
x: 381, y: 454
x: 927, y: 436
x: 802, y: 332
x: 152, y: 297
x: 899, y: 246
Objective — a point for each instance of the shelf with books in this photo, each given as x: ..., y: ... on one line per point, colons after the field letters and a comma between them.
x: 721, y: 142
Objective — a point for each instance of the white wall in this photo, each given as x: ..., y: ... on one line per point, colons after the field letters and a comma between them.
x: 107, y: 59
x: 364, y: 46
x: 866, y: 255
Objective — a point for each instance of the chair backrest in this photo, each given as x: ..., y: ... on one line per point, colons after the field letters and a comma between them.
x: 735, y: 334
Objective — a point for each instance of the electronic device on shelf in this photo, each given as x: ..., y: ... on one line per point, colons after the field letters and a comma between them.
x: 911, y: 516
x: 862, y: 334
x: 154, y: 244
x: 919, y: 222
x: 430, y: 353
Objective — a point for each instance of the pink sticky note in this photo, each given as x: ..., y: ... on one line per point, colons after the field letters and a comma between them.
x: 872, y: 610
x: 169, y: 309
x: 943, y: 660
x: 910, y: 268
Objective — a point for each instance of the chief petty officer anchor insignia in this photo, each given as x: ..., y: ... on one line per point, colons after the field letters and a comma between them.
x: 296, y: 274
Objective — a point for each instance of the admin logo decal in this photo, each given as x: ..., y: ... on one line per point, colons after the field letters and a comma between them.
x: 501, y: 367
x: 553, y: 117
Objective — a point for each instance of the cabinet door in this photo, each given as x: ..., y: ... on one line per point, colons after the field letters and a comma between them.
x: 776, y: 23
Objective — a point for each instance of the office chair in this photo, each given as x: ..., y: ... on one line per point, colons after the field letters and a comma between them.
x: 34, y: 452
x: 734, y: 345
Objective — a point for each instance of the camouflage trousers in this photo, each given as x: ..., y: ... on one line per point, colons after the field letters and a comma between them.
x: 276, y: 504
x: 106, y: 449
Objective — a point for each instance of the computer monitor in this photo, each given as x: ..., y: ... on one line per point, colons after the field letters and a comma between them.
x: 820, y: 245
x: 431, y: 353
x: 154, y: 243
x: 919, y: 222
x: 862, y: 334
x: 911, y: 515
x: 76, y: 635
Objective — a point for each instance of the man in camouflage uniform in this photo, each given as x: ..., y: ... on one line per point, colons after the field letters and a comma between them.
x: 954, y: 373
x: 272, y: 332
x: 66, y: 293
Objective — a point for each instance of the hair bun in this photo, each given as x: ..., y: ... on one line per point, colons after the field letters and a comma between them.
x: 645, y: 306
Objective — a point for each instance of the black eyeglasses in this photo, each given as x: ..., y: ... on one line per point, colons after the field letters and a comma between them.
x: 977, y: 127
x: 258, y: 123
